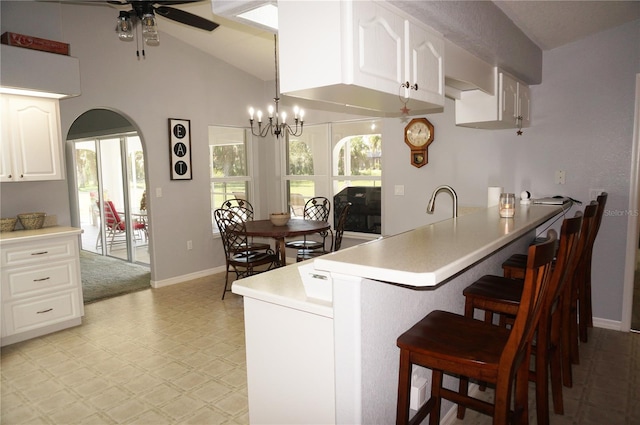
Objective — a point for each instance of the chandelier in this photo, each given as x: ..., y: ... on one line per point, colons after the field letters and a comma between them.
x: 277, y: 125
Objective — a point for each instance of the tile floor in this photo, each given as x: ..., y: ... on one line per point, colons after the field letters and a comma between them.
x: 175, y: 355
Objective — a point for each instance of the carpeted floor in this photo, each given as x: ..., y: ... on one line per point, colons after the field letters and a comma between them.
x: 106, y: 277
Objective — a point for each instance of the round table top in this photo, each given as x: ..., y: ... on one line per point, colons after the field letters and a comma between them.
x: 293, y: 227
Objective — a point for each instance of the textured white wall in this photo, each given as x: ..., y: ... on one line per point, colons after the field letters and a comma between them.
x: 582, y: 123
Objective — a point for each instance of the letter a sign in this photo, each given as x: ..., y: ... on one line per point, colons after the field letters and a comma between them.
x: 180, y: 145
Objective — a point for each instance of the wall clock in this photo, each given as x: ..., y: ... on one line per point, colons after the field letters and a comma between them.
x: 418, y: 134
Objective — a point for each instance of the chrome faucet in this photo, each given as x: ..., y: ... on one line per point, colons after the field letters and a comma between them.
x: 432, y: 201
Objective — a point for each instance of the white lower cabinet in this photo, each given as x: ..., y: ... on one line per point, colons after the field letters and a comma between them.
x: 41, y: 285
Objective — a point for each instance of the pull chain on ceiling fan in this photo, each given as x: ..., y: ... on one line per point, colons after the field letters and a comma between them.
x: 145, y: 12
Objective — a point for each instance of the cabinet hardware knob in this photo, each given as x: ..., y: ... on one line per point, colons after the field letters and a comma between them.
x: 45, y: 311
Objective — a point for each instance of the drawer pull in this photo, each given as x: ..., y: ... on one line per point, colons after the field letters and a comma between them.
x: 40, y: 280
x: 40, y: 253
x: 45, y: 311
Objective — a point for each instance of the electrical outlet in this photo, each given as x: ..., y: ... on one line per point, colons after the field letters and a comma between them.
x: 560, y: 177
x: 158, y: 192
x: 189, y: 245
x: 398, y: 190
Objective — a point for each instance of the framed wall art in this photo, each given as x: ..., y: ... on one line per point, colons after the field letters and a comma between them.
x: 180, y: 145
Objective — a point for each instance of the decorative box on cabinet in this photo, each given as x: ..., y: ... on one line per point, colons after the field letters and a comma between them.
x: 31, y: 140
x: 41, y: 286
x: 361, y: 54
x: 509, y: 107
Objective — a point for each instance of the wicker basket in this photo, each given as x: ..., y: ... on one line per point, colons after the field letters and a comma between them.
x: 7, y: 224
x: 31, y: 221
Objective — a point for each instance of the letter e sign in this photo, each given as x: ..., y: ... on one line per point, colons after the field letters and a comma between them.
x: 180, y: 145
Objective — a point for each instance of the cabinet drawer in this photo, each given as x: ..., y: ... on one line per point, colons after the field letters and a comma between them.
x: 22, y: 316
x: 36, y: 252
x: 30, y: 281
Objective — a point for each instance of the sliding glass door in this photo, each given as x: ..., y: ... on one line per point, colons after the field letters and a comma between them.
x: 111, y: 193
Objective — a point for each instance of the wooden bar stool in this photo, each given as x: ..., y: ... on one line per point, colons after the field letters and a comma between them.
x: 501, y: 295
x: 514, y: 267
x: 454, y: 344
x: 584, y: 288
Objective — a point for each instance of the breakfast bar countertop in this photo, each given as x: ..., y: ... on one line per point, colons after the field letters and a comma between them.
x: 429, y: 255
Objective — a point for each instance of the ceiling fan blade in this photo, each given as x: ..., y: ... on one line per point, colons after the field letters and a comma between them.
x: 186, y: 18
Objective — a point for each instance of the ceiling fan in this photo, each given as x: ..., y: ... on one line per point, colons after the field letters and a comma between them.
x: 140, y: 8
x: 145, y: 11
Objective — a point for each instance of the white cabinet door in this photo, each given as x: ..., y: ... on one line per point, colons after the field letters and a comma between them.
x: 478, y: 109
x: 424, y: 64
x: 378, y: 47
x: 31, y: 132
x: 358, y: 54
x: 508, y: 100
x: 524, y: 104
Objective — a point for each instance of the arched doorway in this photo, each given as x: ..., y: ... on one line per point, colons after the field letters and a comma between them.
x: 108, y: 191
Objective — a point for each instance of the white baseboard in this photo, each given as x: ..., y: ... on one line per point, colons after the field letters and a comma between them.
x: 184, y: 278
x: 614, y: 325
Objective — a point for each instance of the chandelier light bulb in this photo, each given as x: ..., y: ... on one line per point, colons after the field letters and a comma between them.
x: 270, y: 111
x: 259, y: 116
x: 284, y: 117
x: 251, y: 113
x: 301, y: 115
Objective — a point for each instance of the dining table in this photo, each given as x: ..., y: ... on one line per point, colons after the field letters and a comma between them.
x: 294, y: 227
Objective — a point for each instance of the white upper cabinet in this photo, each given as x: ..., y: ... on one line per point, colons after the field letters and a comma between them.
x: 31, y: 139
x: 360, y: 53
x: 510, y: 107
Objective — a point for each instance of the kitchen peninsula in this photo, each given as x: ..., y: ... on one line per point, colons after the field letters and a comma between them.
x: 315, y: 361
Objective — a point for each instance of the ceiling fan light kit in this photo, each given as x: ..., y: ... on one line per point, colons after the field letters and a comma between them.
x: 145, y: 12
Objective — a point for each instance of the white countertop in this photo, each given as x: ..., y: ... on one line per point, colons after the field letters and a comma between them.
x: 26, y: 235
x: 430, y: 254
x: 425, y: 256
x: 282, y: 286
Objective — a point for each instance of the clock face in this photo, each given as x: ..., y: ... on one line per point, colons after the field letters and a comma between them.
x: 419, y: 133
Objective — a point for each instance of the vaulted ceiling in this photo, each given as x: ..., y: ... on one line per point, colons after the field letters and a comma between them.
x: 549, y: 24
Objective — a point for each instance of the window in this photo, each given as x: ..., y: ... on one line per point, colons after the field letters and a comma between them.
x: 228, y: 165
x: 341, y: 161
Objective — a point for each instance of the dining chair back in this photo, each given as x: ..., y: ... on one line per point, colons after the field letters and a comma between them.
x: 240, y: 254
x: 450, y: 343
x: 316, y: 208
x: 241, y: 206
x: 336, y: 242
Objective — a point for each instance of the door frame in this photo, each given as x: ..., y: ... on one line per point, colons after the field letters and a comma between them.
x: 633, y: 230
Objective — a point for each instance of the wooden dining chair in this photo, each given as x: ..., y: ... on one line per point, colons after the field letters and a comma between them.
x: 501, y: 295
x: 316, y: 208
x: 454, y: 344
x: 336, y: 241
x: 239, y: 255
